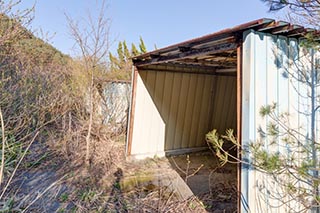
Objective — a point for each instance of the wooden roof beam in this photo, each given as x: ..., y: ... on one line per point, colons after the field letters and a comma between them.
x: 188, y: 53
x: 285, y: 29
x: 225, y: 54
x: 296, y: 32
x: 272, y: 25
x: 266, y: 26
x: 191, y: 69
x: 204, y: 62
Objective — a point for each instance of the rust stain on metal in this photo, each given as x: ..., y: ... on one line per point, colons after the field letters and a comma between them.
x: 205, y: 38
x: 215, y: 40
x: 133, y: 104
x: 239, y: 119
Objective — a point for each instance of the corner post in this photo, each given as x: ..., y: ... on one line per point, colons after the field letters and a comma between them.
x: 239, y: 120
x: 131, y: 110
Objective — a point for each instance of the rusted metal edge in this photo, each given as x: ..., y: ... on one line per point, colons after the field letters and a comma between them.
x: 206, y: 38
x: 239, y: 120
x: 132, y: 110
x: 263, y: 25
x: 271, y: 25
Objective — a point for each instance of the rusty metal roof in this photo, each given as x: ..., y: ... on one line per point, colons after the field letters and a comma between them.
x: 217, y: 49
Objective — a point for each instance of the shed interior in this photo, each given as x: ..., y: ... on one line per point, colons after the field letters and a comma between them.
x: 182, y: 93
x: 177, y: 103
x: 191, y: 100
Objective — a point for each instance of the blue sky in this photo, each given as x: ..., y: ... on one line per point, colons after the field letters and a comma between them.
x: 160, y: 23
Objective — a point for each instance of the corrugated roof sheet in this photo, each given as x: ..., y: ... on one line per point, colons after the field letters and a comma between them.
x: 224, y: 41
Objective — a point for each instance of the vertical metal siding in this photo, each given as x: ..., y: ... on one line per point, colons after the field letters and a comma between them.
x: 224, y: 104
x: 266, y: 60
x: 173, y: 108
x: 246, y: 77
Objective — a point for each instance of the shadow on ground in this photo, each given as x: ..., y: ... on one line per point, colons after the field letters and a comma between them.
x: 215, y: 186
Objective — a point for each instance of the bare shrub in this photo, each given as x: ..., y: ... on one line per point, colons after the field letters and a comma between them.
x: 49, y: 97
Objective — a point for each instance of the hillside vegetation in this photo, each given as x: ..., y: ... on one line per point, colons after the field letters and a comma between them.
x: 56, y: 153
x: 44, y: 111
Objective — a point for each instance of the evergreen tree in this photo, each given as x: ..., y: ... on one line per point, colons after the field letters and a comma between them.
x: 134, y: 50
x: 126, y: 51
x: 120, y: 52
x: 120, y: 65
x: 142, y: 46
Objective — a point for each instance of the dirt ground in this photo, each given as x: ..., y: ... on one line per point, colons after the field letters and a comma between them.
x: 215, y: 186
x: 47, y: 182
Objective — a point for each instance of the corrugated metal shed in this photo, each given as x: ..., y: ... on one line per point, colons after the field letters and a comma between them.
x: 218, y: 81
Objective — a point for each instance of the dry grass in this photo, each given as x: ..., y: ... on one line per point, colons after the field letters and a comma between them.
x: 65, y: 185
x: 97, y: 189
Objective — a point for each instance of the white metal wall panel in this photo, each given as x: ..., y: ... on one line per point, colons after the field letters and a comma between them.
x: 115, y: 103
x: 149, y: 127
x: 247, y: 97
x: 269, y: 65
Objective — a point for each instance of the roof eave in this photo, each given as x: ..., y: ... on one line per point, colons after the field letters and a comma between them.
x: 223, y: 40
